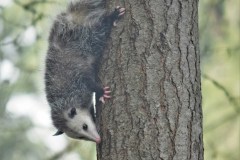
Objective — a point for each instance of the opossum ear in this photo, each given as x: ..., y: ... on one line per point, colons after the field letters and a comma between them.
x: 72, y: 112
x: 58, y: 133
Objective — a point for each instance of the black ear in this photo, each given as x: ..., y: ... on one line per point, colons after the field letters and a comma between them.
x: 58, y: 133
x: 72, y: 112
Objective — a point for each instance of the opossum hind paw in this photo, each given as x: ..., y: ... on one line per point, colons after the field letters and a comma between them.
x: 119, y: 11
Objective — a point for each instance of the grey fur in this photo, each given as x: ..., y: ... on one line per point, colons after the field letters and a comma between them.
x: 92, y: 11
x: 76, y: 44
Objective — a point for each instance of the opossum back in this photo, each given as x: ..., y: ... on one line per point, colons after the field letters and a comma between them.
x: 64, y: 69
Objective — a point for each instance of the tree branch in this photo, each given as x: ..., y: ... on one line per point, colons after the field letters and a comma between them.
x: 230, y: 98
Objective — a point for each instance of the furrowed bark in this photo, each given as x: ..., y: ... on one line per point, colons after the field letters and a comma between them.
x: 152, y: 65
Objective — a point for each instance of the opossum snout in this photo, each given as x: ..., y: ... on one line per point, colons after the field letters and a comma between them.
x: 98, y: 140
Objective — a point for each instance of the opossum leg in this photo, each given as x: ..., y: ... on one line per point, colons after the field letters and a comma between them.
x: 94, y: 87
x: 105, y: 95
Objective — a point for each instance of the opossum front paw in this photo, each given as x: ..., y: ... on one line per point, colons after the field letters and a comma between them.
x: 105, y: 94
x: 119, y: 11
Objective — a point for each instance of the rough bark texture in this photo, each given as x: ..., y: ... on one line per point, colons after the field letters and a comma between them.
x: 152, y: 66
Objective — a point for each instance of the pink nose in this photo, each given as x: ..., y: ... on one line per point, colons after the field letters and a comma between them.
x: 98, y: 140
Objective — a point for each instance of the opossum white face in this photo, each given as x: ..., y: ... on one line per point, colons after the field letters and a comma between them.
x: 79, y: 125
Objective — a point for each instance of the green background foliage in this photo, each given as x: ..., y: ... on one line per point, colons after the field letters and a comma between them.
x: 24, y: 28
x: 220, y: 51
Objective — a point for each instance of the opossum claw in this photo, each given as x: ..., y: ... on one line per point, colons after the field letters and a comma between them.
x: 106, y: 96
x: 107, y: 92
x: 101, y: 99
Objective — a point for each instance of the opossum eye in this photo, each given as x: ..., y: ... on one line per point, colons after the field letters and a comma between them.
x: 85, y: 127
x: 72, y: 113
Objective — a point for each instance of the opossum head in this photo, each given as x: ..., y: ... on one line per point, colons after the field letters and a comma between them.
x: 79, y: 125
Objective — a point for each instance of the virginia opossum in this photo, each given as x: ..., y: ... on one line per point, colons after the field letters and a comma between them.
x: 76, y: 43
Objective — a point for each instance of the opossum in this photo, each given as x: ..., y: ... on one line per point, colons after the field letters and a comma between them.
x: 76, y: 44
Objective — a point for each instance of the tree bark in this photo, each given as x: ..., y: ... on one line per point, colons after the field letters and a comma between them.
x: 152, y: 65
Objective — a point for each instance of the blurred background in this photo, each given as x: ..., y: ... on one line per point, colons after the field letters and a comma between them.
x: 25, y: 126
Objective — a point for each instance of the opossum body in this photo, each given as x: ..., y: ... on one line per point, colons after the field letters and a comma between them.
x: 76, y: 43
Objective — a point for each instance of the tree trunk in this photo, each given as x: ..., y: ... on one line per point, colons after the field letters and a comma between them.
x: 152, y: 66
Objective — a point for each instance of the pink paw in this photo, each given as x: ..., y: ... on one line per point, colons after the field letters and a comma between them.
x: 105, y: 94
x: 121, y: 12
